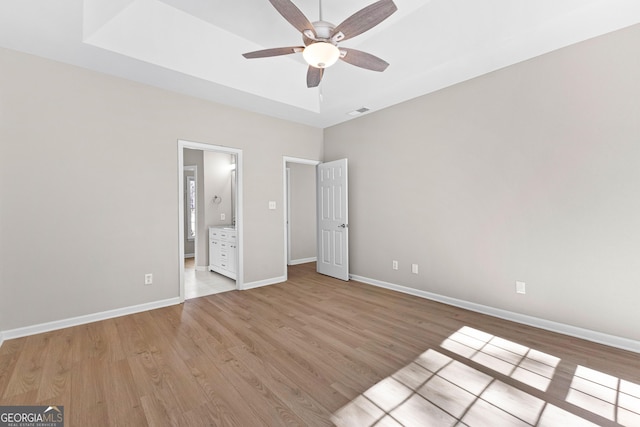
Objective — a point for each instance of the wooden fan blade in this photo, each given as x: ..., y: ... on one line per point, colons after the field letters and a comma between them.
x: 291, y: 13
x: 276, y: 51
x: 364, y: 60
x: 314, y: 76
x: 366, y: 19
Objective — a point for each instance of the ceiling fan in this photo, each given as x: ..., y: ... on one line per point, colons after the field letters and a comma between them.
x: 321, y: 38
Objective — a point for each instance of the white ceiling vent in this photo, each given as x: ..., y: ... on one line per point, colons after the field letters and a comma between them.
x: 359, y: 111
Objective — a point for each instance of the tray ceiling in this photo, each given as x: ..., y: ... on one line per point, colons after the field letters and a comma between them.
x: 195, y: 46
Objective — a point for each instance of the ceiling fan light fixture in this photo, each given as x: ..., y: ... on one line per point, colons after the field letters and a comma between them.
x: 321, y: 54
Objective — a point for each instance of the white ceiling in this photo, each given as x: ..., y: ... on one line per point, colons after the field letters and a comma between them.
x: 195, y: 46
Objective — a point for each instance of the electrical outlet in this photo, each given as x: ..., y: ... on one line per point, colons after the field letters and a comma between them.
x: 272, y: 205
x: 394, y: 264
x: 222, y: 217
x: 414, y: 268
x: 521, y: 287
x: 148, y: 279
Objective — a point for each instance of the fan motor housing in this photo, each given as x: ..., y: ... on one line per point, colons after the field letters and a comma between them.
x: 323, y: 29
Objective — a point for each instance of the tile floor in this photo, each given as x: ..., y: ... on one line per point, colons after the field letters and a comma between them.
x: 201, y: 283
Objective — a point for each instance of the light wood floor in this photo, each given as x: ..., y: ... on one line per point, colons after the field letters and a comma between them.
x: 317, y: 351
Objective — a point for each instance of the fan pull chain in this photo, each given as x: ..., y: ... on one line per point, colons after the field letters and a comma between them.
x: 320, y: 9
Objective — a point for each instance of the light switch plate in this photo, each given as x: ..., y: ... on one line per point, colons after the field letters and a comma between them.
x: 521, y: 288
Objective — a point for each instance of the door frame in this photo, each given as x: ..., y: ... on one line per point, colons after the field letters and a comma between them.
x: 182, y: 144
x: 285, y: 192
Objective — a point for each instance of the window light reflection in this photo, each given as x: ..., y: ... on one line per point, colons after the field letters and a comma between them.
x: 519, y: 362
x: 435, y: 389
x: 608, y: 396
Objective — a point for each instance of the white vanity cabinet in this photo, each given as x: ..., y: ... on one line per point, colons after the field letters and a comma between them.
x: 222, y: 250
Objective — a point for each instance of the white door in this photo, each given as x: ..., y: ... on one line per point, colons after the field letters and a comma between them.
x: 333, y: 219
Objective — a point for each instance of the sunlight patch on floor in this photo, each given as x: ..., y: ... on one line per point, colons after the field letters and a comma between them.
x: 435, y: 389
x: 608, y: 396
x: 519, y: 362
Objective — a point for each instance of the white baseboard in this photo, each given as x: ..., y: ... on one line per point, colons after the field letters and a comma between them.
x: 302, y: 261
x: 189, y: 255
x: 1, y: 338
x: 574, y: 331
x: 81, y: 320
x: 266, y: 282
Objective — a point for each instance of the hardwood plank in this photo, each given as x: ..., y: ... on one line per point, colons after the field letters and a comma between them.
x: 10, y: 355
x: 308, y: 381
x: 130, y: 336
x: 88, y: 400
x: 271, y: 410
x: 27, y: 373
x: 302, y: 403
x: 118, y: 381
x: 154, y: 412
x: 56, y: 371
x: 176, y: 387
x: 225, y: 404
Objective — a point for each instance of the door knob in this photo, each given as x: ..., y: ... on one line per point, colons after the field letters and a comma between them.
x: 343, y: 226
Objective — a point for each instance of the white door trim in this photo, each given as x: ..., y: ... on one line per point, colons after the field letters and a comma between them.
x: 182, y: 144
x: 285, y: 201
x: 287, y: 219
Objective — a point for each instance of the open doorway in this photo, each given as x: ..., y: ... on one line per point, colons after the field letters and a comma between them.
x: 210, y: 214
x: 300, y: 210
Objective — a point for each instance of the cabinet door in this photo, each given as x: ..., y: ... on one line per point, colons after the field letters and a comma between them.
x: 214, y: 253
x: 231, y: 258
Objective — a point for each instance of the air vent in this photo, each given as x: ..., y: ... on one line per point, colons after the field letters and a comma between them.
x: 359, y: 111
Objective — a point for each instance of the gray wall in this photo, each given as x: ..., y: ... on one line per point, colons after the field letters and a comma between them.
x: 302, y: 210
x: 99, y: 206
x: 530, y: 173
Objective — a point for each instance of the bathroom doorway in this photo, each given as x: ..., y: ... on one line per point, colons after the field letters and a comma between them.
x: 210, y: 200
